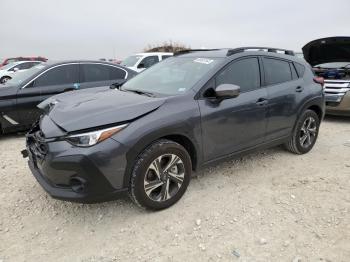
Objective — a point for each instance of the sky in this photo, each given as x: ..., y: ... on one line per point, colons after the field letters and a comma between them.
x: 91, y: 29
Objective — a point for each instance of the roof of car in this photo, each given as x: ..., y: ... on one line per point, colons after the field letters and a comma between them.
x: 154, y: 53
x: 228, y: 52
x: 53, y: 63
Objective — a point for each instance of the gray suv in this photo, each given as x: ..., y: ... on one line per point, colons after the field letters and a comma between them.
x: 145, y: 137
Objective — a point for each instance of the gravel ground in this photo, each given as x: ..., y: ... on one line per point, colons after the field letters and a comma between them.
x: 267, y: 206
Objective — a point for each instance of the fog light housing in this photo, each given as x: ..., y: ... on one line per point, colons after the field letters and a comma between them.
x: 78, y: 184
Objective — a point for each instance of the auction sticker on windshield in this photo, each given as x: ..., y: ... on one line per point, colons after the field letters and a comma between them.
x: 203, y: 61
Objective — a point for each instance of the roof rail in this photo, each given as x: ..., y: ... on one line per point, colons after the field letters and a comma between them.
x: 192, y: 50
x: 259, y: 48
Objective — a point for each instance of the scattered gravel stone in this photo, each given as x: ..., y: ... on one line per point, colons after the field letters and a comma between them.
x: 262, y: 241
x: 236, y: 253
x: 286, y: 243
x: 198, y: 222
x: 297, y: 259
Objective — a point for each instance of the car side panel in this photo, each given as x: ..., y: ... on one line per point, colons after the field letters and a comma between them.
x: 157, y: 124
x: 282, y: 108
x: 9, y: 118
x: 26, y: 101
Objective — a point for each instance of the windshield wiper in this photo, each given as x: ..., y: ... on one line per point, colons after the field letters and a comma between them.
x: 140, y: 92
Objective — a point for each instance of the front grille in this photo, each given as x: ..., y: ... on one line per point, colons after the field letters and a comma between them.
x: 36, y: 142
x: 337, y: 86
x: 335, y: 90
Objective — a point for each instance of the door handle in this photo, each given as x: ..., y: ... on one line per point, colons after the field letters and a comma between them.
x: 262, y: 102
x: 299, y: 89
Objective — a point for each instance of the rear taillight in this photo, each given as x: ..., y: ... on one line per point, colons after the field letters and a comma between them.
x: 319, y: 80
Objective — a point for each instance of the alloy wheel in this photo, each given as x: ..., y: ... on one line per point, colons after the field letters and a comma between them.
x: 308, y: 132
x: 164, y: 177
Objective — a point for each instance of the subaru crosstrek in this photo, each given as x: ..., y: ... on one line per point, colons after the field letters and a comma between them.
x: 147, y: 136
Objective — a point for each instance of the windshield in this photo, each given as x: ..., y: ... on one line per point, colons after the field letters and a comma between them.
x: 131, y: 60
x: 8, y: 66
x: 22, y: 76
x: 334, y: 65
x: 172, y: 76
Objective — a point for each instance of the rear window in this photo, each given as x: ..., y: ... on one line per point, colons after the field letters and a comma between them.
x: 300, y: 69
x: 276, y: 71
x: 98, y: 73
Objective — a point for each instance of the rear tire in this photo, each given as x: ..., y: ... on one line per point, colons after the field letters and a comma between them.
x: 305, y: 133
x: 161, y: 175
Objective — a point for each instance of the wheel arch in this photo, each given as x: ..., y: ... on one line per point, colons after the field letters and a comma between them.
x: 316, y: 104
x: 5, y: 76
x: 180, y: 138
x: 317, y: 109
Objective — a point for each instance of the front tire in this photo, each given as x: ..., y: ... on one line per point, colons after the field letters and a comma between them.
x: 304, y: 134
x: 4, y: 79
x: 161, y: 175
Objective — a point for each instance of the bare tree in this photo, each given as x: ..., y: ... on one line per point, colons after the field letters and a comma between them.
x: 167, y: 46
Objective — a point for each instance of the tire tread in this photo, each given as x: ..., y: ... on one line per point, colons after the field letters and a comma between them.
x: 140, y: 159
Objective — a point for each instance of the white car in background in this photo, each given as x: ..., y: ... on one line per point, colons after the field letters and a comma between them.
x: 8, y: 70
x: 141, y: 61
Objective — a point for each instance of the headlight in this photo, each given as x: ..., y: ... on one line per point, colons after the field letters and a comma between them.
x: 94, y: 137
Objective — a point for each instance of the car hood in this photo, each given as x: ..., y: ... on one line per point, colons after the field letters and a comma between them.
x: 327, y: 50
x: 97, y: 107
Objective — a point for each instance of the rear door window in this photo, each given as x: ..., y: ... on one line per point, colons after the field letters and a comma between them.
x: 61, y: 75
x: 244, y: 73
x: 276, y: 71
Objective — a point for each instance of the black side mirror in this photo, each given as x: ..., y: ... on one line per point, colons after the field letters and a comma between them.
x: 226, y: 91
x: 141, y: 66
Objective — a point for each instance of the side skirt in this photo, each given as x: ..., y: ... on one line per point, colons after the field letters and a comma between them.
x: 247, y: 151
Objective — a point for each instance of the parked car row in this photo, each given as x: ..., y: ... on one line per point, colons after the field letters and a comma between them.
x: 146, y: 136
x: 20, y: 95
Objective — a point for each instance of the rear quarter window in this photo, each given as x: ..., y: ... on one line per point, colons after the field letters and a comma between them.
x: 300, y: 69
x: 294, y: 72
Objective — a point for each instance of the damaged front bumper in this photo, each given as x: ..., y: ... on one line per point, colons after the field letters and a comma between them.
x: 85, y: 175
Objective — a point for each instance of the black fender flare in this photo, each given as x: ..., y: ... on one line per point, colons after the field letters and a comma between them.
x: 148, y: 139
